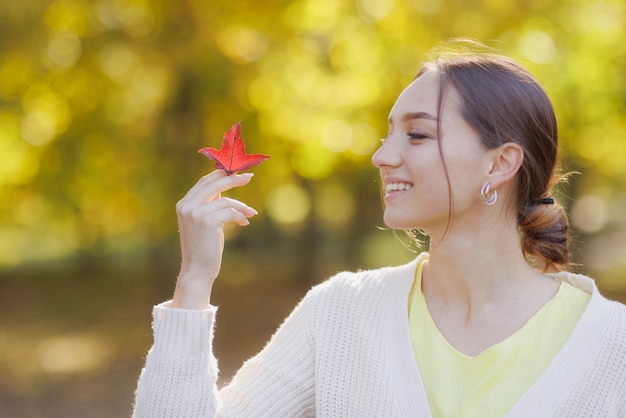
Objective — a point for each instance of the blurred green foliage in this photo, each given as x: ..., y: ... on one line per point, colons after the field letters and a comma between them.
x: 104, y: 103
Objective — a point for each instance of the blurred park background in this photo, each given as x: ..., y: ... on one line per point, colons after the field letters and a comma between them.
x: 103, y: 105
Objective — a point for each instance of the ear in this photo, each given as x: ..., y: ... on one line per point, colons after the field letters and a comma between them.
x: 506, y: 161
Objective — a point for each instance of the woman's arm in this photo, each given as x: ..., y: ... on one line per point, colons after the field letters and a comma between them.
x: 180, y: 374
x: 179, y: 378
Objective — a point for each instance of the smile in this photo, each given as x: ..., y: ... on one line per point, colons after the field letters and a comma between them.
x: 394, y: 187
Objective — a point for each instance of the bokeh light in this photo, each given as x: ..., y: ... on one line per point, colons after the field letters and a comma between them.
x: 589, y: 213
x: 288, y: 205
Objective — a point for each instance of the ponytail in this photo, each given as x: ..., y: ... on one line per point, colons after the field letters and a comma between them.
x: 544, y: 231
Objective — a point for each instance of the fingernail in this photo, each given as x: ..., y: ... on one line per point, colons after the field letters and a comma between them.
x: 254, y: 212
x: 248, y: 175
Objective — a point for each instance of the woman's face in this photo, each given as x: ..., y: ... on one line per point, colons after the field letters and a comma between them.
x: 411, y: 168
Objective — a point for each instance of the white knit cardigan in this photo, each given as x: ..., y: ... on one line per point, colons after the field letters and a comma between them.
x: 345, y: 351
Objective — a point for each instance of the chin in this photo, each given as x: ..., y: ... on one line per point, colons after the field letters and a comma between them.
x: 394, y: 222
x: 410, y: 221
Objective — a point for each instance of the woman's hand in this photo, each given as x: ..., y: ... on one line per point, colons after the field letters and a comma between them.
x: 202, y: 214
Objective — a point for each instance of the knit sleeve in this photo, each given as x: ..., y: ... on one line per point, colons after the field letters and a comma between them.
x: 180, y: 374
x: 280, y: 380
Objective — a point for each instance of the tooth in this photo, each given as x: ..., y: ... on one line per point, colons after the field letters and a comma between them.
x: 397, y: 187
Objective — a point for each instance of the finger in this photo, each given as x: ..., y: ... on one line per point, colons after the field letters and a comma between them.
x: 218, y: 218
x: 202, y: 181
x: 227, y: 202
x: 209, y: 187
x: 185, y: 208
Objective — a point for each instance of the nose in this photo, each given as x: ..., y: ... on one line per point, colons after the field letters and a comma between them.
x: 387, y: 155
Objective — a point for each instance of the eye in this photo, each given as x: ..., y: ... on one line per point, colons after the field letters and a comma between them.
x: 417, y: 135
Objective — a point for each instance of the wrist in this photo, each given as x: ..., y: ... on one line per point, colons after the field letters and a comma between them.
x: 192, y: 291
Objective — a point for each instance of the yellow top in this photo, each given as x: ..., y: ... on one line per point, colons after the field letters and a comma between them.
x: 488, y: 384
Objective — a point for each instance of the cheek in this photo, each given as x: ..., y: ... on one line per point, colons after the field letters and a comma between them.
x: 465, y: 166
x: 434, y: 174
x: 465, y: 181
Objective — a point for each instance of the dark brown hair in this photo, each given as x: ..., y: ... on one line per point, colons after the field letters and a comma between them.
x: 504, y: 103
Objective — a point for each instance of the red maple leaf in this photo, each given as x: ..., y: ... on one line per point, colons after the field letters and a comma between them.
x: 232, y: 156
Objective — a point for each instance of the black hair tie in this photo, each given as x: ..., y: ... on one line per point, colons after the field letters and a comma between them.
x: 545, y: 201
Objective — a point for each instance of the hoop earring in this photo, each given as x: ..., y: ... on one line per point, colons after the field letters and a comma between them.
x: 484, y: 194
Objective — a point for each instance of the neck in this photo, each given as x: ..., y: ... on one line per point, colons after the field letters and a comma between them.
x: 471, y: 269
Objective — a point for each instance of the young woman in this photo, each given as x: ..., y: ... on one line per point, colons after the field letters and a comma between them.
x: 488, y: 323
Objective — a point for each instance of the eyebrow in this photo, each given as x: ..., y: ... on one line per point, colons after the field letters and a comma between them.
x: 416, y: 115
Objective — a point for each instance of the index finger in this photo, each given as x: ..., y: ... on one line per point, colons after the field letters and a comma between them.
x: 210, y: 186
